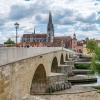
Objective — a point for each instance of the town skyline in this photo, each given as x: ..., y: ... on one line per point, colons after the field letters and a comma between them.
x: 81, y: 17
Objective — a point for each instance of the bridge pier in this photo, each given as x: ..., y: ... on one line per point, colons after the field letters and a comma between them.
x: 54, y: 82
x: 66, y: 68
x: 57, y: 82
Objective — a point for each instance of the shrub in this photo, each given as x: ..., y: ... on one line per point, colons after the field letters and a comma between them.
x: 98, y: 68
x: 97, y: 87
x: 82, y: 66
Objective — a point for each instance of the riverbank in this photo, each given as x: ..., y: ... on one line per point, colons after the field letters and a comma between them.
x: 75, y: 93
x: 93, y: 95
x: 80, y: 96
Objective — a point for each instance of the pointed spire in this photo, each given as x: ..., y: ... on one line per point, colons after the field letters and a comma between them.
x: 50, y: 18
x: 50, y: 28
x: 34, y: 30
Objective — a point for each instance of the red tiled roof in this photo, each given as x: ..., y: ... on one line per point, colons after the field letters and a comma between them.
x: 34, y: 35
x: 31, y: 44
x: 98, y: 40
x: 63, y: 37
x: 66, y: 40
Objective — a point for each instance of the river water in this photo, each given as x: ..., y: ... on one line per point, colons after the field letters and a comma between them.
x: 93, y: 84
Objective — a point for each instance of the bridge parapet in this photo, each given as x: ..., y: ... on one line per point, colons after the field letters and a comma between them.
x: 8, y: 55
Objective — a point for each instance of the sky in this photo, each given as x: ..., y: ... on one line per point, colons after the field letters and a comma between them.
x: 69, y: 16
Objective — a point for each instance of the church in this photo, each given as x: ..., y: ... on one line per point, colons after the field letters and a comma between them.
x: 50, y: 40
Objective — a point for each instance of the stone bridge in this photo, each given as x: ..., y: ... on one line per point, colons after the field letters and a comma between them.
x: 28, y: 71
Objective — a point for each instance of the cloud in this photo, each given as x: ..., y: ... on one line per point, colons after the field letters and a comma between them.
x: 86, y: 27
x: 69, y: 16
x: 18, y: 12
x: 63, y: 17
x: 98, y: 20
x: 42, y: 18
x: 87, y: 19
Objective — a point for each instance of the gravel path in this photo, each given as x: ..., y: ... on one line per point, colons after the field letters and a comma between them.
x: 75, y: 93
x: 80, y: 96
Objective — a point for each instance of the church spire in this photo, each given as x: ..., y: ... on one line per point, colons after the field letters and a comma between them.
x: 50, y: 29
x: 50, y: 18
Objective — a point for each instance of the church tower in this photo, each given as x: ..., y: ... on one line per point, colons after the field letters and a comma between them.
x: 74, y: 42
x: 74, y: 36
x: 50, y: 29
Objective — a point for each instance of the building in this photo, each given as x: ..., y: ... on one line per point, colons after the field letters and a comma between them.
x: 34, y: 40
x: 49, y: 39
x: 1, y: 45
x: 77, y: 45
x: 98, y: 42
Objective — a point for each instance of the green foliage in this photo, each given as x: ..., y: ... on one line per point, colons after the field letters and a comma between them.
x: 97, y: 87
x: 91, y: 45
x: 93, y: 65
x: 95, y: 49
x: 97, y: 53
x: 82, y: 66
x: 98, y: 68
x: 9, y: 41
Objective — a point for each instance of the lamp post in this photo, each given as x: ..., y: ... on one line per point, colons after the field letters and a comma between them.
x: 16, y: 27
x: 62, y: 44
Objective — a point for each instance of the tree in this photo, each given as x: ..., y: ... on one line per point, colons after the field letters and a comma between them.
x: 95, y: 50
x: 9, y: 41
x: 91, y: 45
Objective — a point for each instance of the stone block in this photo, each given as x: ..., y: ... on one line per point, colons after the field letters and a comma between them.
x: 1, y: 86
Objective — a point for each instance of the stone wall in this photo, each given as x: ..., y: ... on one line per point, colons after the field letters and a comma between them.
x: 66, y: 70
x: 57, y: 82
x: 16, y: 77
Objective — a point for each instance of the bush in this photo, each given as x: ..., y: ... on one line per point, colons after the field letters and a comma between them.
x: 82, y: 66
x: 97, y: 87
x: 87, y: 66
x: 98, y: 68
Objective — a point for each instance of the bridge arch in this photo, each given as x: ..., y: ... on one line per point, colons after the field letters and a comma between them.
x: 54, y: 65
x: 39, y: 80
x: 66, y: 57
x: 61, y: 59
